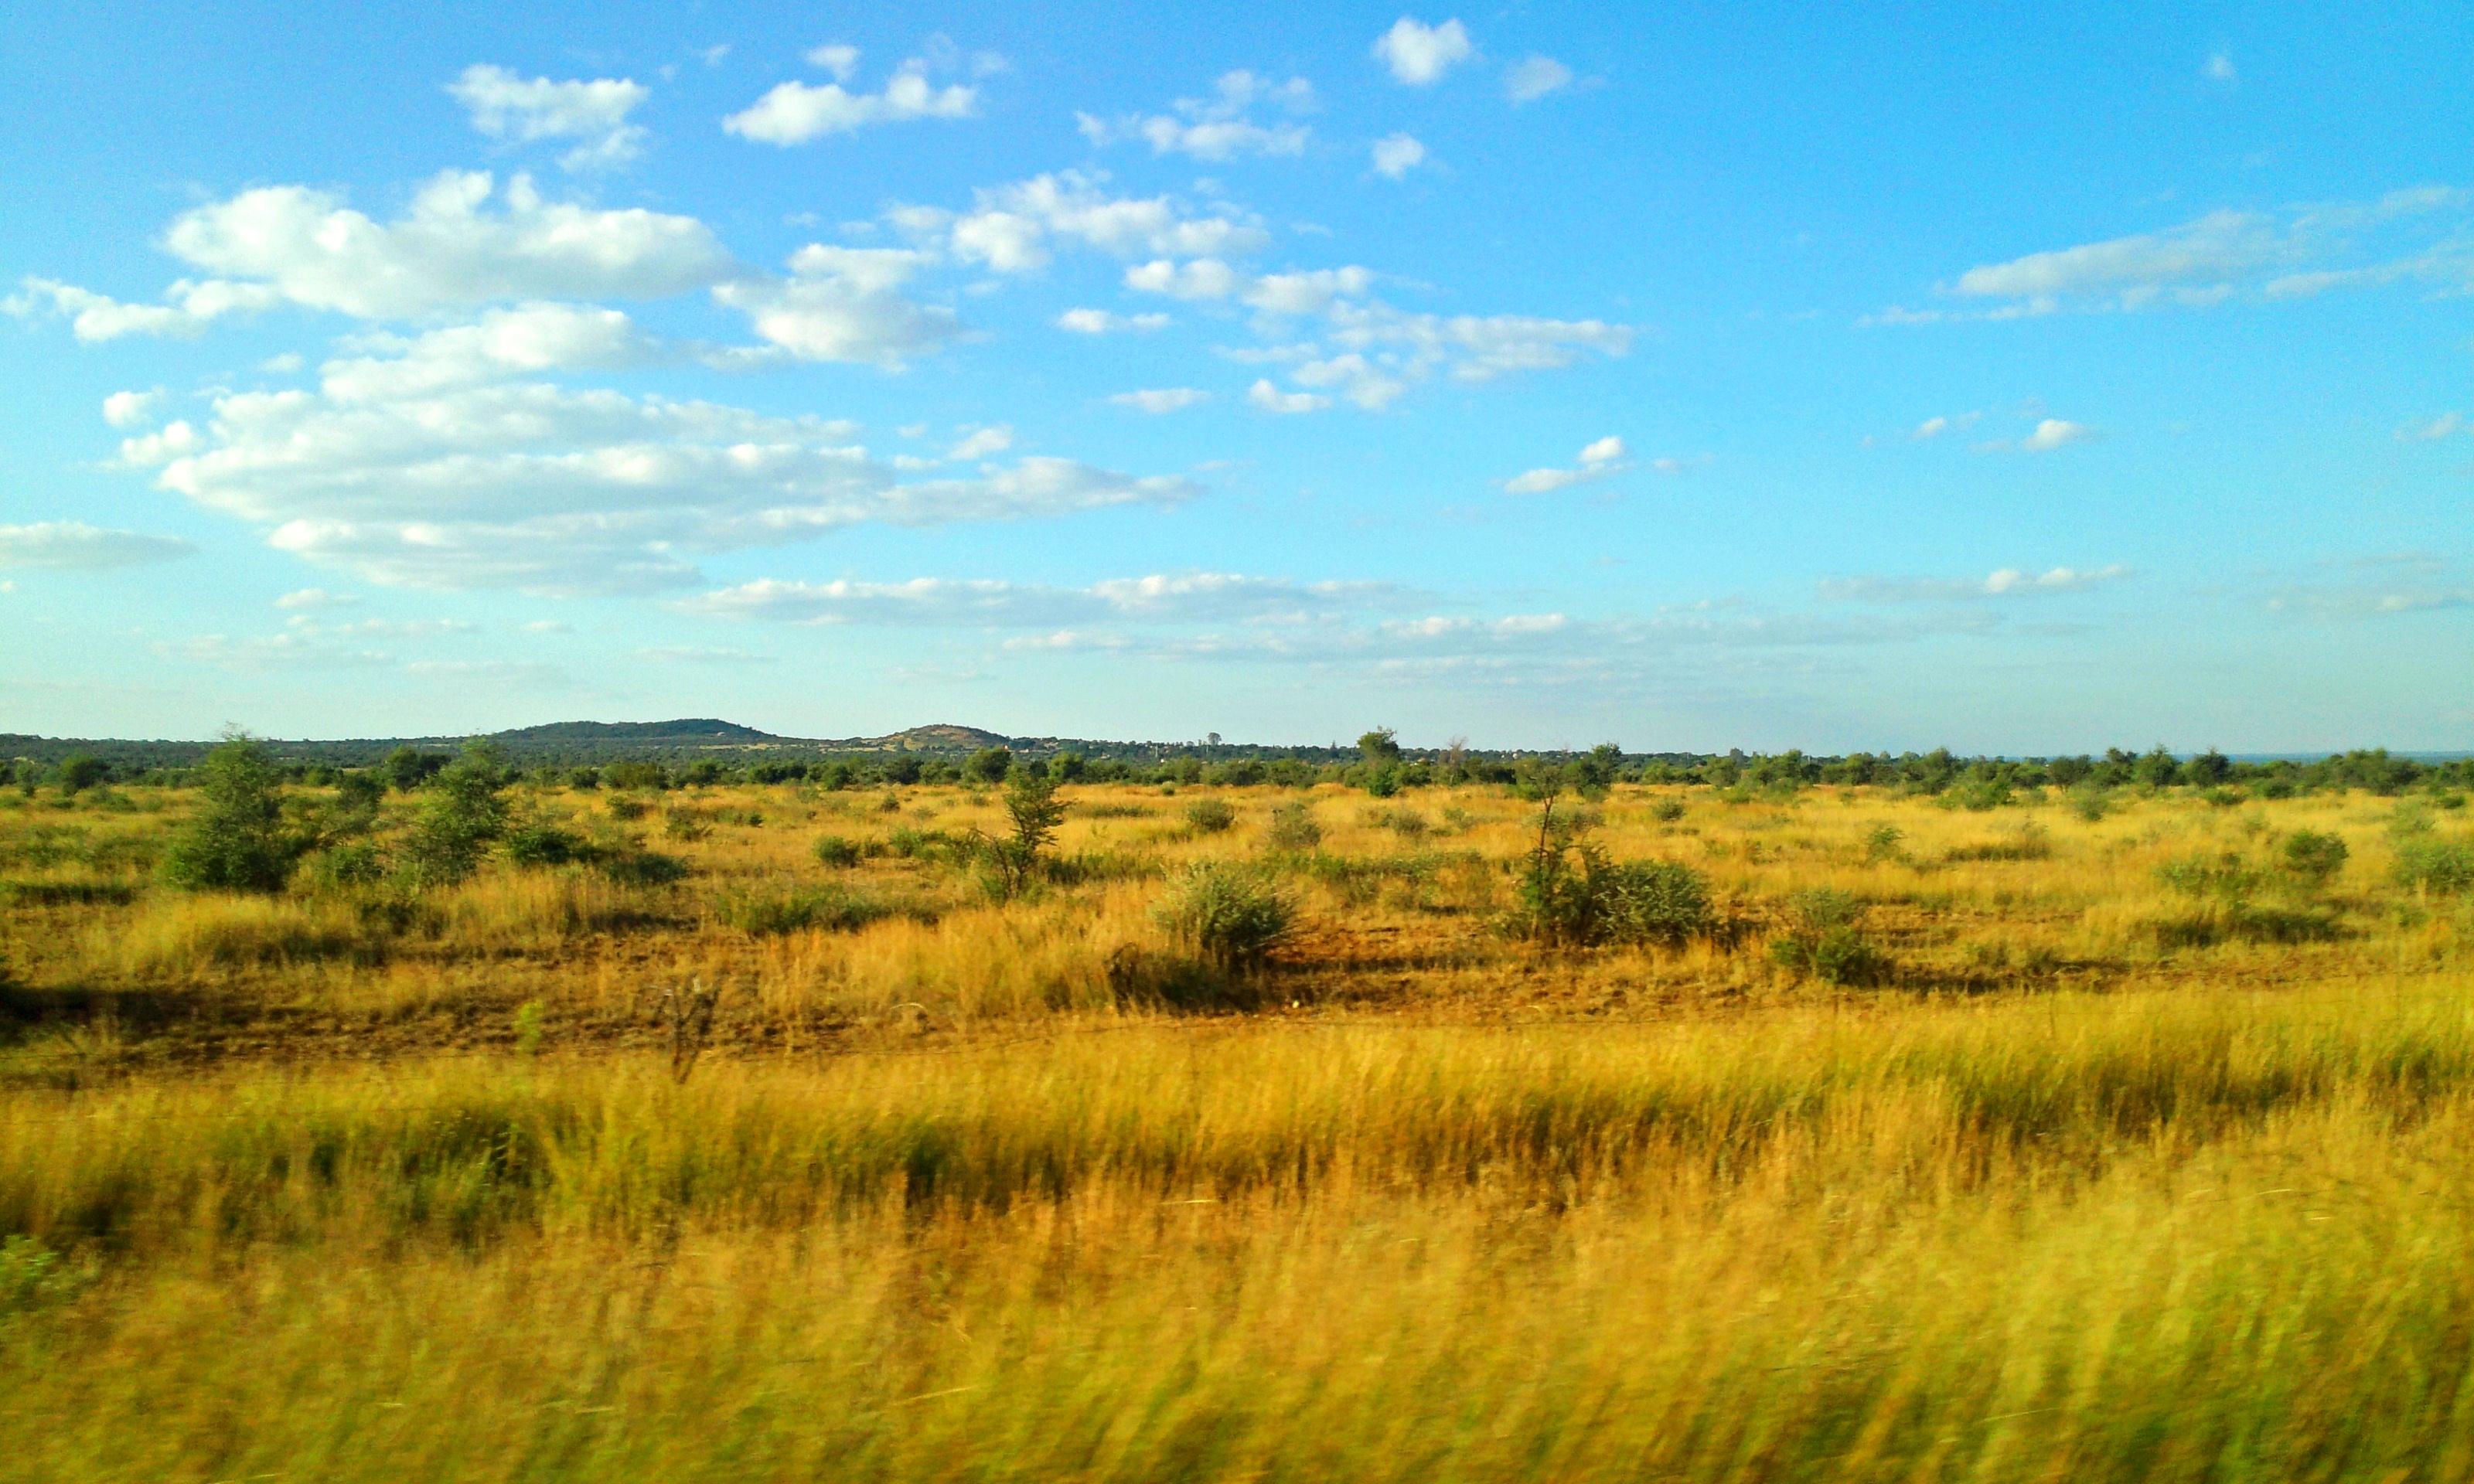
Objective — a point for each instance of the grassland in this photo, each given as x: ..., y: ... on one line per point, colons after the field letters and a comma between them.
x: 2132, y: 1154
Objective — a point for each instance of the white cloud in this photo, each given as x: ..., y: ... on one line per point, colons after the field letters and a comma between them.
x: 128, y: 409
x: 2219, y: 68
x: 2005, y: 583
x: 1161, y: 400
x: 1102, y: 322
x: 1419, y: 54
x: 1396, y: 155
x: 1601, y: 459
x: 838, y: 60
x: 1934, y: 428
x: 148, y: 449
x: 1535, y: 77
x: 842, y: 304
x: 526, y: 339
x: 312, y: 599
x: 797, y: 113
x: 1271, y: 398
x: 1353, y: 376
x: 2054, y: 433
x: 2437, y: 428
x: 980, y: 443
x: 447, y: 249
x: 407, y: 479
x: 1206, y: 278
x: 75, y: 546
x: 1159, y: 599
x: 1306, y: 293
x: 503, y: 105
x: 1219, y: 126
x: 1014, y: 229
x: 188, y: 306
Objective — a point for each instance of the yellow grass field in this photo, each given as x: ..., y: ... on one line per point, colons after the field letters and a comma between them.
x: 2134, y: 1155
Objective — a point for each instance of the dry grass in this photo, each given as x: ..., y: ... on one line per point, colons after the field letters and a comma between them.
x: 964, y: 1195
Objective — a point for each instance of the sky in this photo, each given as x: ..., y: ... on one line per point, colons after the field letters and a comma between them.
x: 1690, y: 376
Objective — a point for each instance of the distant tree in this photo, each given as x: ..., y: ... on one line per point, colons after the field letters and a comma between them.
x: 1067, y: 767
x: 2208, y: 769
x: 408, y: 767
x: 2157, y: 769
x: 1379, y: 747
x: 464, y: 814
x: 902, y: 768
x: 236, y: 842
x: 78, y: 772
x: 988, y: 765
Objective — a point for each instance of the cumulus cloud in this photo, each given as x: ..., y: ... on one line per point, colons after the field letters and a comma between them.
x: 1419, y: 54
x: 1102, y: 322
x: 1016, y: 227
x: 1159, y: 599
x: 2054, y: 433
x: 2005, y: 583
x: 1605, y: 457
x: 1268, y: 398
x: 484, y: 479
x: 526, y: 339
x: 1534, y: 77
x: 503, y: 105
x: 980, y: 443
x: 1936, y: 426
x: 188, y: 306
x: 450, y: 249
x: 73, y: 545
x: 797, y: 113
x: 1160, y: 399
x: 1216, y: 127
x: 128, y: 409
x: 842, y: 304
x: 1396, y: 155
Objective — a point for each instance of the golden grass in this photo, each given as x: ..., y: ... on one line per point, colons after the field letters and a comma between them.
x: 956, y: 1199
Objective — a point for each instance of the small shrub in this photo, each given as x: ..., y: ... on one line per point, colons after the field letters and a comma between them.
x: 237, y: 842
x: 1666, y: 811
x: 1230, y: 915
x: 463, y: 812
x: 1823, y: 935
x: 1882, y: 844
x: 2442, y: 867
x: 2313, y: 857
x: 341, y: 867
x: 1292, y: 828
x: 1408, y: 824
x: 835, y: 850
x: 2225, y: 874
x: 769, y: 912
x: 687, y: 824
x: 1210, y: 817
x: 540, y: 843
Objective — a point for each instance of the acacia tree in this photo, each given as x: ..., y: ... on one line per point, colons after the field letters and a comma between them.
x: 1033, y: 811
x: 236, y: 842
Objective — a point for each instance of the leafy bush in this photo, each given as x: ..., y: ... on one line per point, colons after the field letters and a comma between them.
x: 1882, y: 844
x: 768, y: 912
x: 2225, y: 874
x: 1294, y: 827
x: 1406, y: 822
x: 1033, y: 811
x: 687, y: 824
x: 1210, y: 817
x: 2313, y: 857
x: 1666, y: 811
x: 541, y: 842
x: 1230, y: 915
x: 462, y: 814
x: 1823, y: 935
x: 2444, y: 868
x: 341, y: 867
x: 837, y: 850
x: 238, y: 841
x: 1572, y: 895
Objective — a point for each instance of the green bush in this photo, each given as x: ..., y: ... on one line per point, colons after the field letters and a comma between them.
x: 238, y: 841
x: 541, y: 842
x: 1666, y: 811
x: 462, y: 814
x: 1230, y: 915
x: 766, y: 912
x: 1292, y: 828
x: 1822, y: 935
x: 2313, y: 857
x: 1572, y: 895
x: 837, y: 850
x: 1210, y: 817
x: 2444, y: 868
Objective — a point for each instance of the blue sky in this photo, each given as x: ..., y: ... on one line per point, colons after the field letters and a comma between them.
x: 1688, y: 376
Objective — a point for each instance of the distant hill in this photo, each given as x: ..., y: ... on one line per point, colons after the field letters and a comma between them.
x: 693, y: 730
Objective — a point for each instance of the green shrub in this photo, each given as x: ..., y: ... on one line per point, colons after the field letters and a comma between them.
x: 462, y: 814
x: 1292, y: 828
x: 2225, y: 874
x: 1666, y: 811
x: 1572, y: 895
x: 1882, y: 844
x: 835, y: 850
x: 1210, y: 817
x: 541, y: 842
x: 238, y: 841
x: 2444, y: 868
x: 1230, y: 915
x: 1822, y: 935
x: 765, y: 912
x: 2313, y: 857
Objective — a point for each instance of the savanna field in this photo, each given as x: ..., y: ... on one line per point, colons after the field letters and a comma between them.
x: 511, y: 1130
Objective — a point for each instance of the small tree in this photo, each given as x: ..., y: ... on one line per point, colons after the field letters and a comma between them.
x: 79, y: 772
x: 236, y: 842
x: 463, y: 814
x: 1034, y: 811
x: 989, y: 765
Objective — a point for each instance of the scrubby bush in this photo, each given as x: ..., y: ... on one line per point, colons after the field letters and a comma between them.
x: 1666, y: 811
x: 1821, y: 934
x: 1210, y: 817
x: 1230, y: 915
x: 1033, y: 813
x: 837, y: 850
x: 2313, y: 857
x: 1292, y: 828
x: 238, y: 841
x: 540, y: 842
x: 1572, y: 895
x: 462, y: 814
x: 2444, y: 868
x: 2223, y: 874
x: 1882, y: 844
x: 772, y: 911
